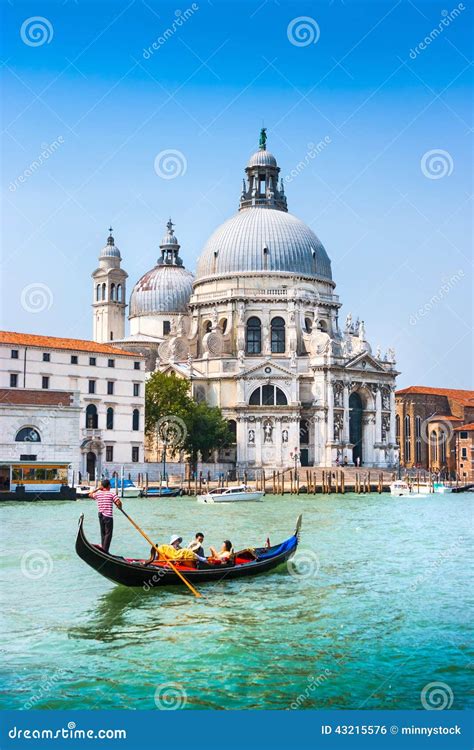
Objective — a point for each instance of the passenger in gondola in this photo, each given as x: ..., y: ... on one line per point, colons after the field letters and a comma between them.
x: 175, y: 541
x: 224, y: 555
x: 196, y: 544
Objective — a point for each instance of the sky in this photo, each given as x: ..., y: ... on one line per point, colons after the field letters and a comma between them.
x: 125, y: 113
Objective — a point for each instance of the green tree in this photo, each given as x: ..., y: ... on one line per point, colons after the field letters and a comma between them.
x: 185, y: 423
x: 165, y: 396
x: 207, y: 431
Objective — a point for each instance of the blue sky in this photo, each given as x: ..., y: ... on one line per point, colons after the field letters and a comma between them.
x: 392, y: 212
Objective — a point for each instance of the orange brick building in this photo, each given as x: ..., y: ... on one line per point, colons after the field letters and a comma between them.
x: 464, y: 449
x: 428, y: 422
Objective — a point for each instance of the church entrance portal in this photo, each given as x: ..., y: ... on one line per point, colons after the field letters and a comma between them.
x: 355, y: 426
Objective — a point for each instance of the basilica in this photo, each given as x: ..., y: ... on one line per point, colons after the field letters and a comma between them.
x: 257, y: 332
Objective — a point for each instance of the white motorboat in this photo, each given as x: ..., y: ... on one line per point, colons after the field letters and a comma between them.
x: 129, y: 488
x: 400, y: 488
x: 82, y: 490
x: 239, y: 494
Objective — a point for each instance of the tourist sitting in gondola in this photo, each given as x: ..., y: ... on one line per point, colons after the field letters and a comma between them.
x: 196, y: 544
x: 224, y: 555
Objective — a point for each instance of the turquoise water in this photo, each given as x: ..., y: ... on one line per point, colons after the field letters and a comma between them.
x: 375, y: 608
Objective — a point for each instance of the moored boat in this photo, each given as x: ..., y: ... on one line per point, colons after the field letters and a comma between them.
x: 162, y: 492
x: 241, y: 493
x: 400, y: 488
x: 129, y: 488
x: 137, y: 572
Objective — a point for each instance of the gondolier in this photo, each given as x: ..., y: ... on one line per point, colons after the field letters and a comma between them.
x: 106, y: 499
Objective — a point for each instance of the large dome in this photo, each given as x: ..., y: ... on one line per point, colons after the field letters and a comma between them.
x: 238, y: 246
x: 164, y: 289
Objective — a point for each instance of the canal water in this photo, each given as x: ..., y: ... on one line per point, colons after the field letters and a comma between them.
x: 373, y: 611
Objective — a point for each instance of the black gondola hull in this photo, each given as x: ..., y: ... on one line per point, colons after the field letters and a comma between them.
x: 127, y: 573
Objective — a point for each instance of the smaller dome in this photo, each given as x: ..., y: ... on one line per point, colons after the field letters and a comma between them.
x: 164, y: 289
x: 110, y: 250
x: 169, y: 238
x: 262, y: 158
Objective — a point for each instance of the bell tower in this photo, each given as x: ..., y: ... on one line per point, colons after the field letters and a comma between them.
x: 109, y: 295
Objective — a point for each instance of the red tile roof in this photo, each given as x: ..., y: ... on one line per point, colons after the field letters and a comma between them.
x: 53, y: 342
x: 464, y: 397
x: 466, y: 427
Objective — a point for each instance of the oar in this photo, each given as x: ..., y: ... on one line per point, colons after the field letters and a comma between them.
x: 178, y: 573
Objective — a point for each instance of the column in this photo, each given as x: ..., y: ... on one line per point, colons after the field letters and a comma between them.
x: 278, y: 446
x: 241, y: 440
x: 258, y: 441
x: 330, y: 421
x: 345, y: 433
x: 378, y: 415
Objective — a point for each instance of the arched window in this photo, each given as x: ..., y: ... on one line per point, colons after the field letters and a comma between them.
x: 110, y: 418
x: 268, y: 395
x: 278, y: 335
x: 136, y: 420
x: 253, y: 342
x: 119, y: 293
x: 418, y: 440
x: 308, y: 325
x: 208, y: 326
x: 112, y: 292
x: 397, y: 429
x: 434, y: 445
x: 407, y: 430
x: 322, y: 326
x: 103, y: 291
x: 233, y: 430
x: 223, y: 325
x: 97, y: 293
x: 442, y: 447
x: 92, y: 420
x: 28, y: 435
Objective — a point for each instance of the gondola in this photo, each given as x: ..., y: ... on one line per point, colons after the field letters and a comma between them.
x: 135, y: 572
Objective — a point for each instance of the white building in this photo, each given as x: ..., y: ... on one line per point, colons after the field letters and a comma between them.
x: 257, y: 333
x: 82, y: 401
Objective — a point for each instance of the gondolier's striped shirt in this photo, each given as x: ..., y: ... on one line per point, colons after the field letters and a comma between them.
x: 105, y: 502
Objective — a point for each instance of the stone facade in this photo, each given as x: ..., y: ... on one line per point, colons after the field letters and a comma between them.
x: 109, y: 388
